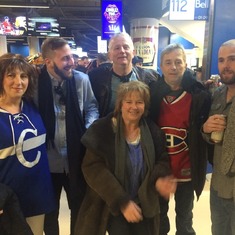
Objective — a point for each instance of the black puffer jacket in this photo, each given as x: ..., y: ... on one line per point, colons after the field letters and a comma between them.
x: 12, y: 221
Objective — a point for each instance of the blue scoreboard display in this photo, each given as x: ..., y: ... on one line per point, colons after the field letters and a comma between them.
x: 189, y: 9
x: 111, y: 18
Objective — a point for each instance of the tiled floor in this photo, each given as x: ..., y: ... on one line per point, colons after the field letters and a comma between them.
x: 201, y: 214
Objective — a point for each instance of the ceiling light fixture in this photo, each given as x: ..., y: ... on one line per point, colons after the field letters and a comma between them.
x: 25, y: 6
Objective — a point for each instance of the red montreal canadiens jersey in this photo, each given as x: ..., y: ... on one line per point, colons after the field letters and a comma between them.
x: 174, y: 121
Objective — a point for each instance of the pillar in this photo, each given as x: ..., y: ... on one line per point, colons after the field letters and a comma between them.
x: 144, y: 32
x: 219, y: 29
x: 3, y: 45
x: 34, y: 47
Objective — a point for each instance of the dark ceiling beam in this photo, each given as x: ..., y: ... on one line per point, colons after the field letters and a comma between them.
x: 92, y: 27
x: 78, y: 18
x: 55, y: 2
x: 92, y: 8
x: 10, y: 4
x: 51, y: 6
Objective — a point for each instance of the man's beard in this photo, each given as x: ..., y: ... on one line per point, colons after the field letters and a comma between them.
x: 225, y: 81
x: 60, y: 73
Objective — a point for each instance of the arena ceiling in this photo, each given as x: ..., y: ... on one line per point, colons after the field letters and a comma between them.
x: 80, y: 19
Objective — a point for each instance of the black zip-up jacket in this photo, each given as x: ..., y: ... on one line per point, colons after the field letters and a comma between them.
x: 200, y: 107
x: 101, y: 85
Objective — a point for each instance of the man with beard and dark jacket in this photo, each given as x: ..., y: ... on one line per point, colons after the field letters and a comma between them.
x: 106, y: 81
x: 68, y: 107
x: 180, y: 105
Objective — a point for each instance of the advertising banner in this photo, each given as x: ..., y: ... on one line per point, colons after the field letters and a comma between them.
x: 144, y: 32
x: 111, y: 18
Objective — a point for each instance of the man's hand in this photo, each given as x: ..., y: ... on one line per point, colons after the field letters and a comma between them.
x: 215, y: 122
x: 166, y: 186
x: 132, y: 212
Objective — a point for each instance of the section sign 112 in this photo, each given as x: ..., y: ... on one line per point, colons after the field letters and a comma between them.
x: 189, y: 9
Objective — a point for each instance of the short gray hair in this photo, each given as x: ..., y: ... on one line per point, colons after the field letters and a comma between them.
x: 122, y: 35
x: 173, y: 47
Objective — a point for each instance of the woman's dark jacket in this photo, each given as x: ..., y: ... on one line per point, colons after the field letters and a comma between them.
x: 12, y: 220
x: 105, y: 195
x: 101, y: 85
x: 200, y: 107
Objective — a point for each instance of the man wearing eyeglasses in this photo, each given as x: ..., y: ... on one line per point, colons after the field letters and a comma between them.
x: 68, y: 107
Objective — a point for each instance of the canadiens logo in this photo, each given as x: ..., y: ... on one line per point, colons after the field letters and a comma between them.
x: 176, y: 140
x: 112, y: 13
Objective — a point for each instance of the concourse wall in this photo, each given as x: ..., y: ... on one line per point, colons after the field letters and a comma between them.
x: 219, y: 29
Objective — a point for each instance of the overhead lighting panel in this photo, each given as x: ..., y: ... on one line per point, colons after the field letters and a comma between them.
x: 24, y: 6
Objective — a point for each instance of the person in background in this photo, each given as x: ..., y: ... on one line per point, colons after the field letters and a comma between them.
x: 75, y: 58
x: 198, y: 74
x: 92, y: 65
x: 82, y: 64
x: 222, y: 191
x: 23, y: 159
x: 36, y: 60
x: 210, y: 84
x: 137, y: 61
x: 106, y: 82
x: 180, y: 105
x: 126, y: 167
x: 68, y: 106
x: 103, y: 60
x: 103, y: 66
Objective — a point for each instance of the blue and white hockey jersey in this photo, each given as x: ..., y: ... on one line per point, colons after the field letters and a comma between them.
x: 23, y: 160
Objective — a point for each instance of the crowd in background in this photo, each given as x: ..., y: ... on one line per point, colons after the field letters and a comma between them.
x: 119, y: 138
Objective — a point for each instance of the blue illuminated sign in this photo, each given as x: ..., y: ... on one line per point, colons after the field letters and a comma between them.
x: 111, y: 18
x: 201, y: 10
x: 189, y: 9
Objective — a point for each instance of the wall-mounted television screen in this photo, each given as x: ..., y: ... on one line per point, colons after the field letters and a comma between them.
x: 43, y: 26
x: 13, y: 26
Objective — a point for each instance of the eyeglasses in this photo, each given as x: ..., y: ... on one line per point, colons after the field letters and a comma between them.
x: 59, y: 91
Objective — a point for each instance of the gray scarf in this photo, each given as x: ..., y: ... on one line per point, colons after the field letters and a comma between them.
x: 147, y: 196
x: 121, y: 149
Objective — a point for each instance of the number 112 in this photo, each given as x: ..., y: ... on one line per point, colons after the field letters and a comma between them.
x: 179, y: 5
